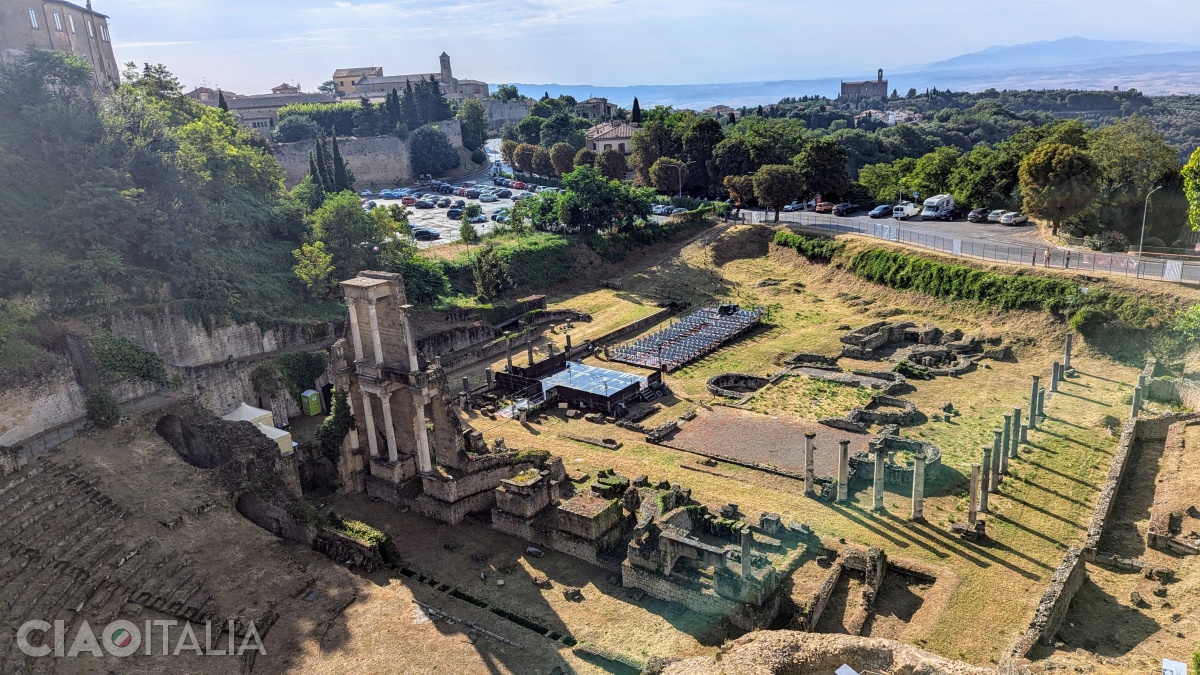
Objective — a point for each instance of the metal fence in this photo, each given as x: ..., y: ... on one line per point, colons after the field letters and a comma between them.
x: 1155, y: 269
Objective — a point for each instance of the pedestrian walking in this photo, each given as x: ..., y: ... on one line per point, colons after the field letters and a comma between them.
x: 1046, y: 258
x: 1033, y: 259
x: 1067, y: 260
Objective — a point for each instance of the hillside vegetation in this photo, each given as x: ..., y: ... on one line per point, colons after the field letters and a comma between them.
x: 138, y: 196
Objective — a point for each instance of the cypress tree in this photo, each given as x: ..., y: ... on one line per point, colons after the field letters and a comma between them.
x: 759, y: 112
x: 221, y: 101
x: 313, y: 170
x: 732, y: 119
x: 341, y: 180
x: 637, y: 111
x: 412, y: 116
x: 323, y: 171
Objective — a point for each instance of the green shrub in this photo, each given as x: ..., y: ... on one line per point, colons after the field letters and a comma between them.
x: 533, y: 262
x: 1196, y: 660
x: 907, y: 369
x: 334, y: 428
x: 958, y: 282
x: 125, y: 358
x: 1187, y: 323
x: 478, y: 156
x: 300, y: 370
x: 103, y: 409
x: 814, y: 248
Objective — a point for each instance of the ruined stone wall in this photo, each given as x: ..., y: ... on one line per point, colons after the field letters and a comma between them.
x: 382, y: 161
x: 1051, y: 611
x: 455, y: 339
x: 26, y: 411
x: 181, y: 343
x: 700, y: 599
x: 505, y: 112
x: 629, y: 330
x: 466, y: 486
x: 455, y: 512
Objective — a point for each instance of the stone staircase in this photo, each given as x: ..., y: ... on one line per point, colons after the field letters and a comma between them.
x: 66, y: 553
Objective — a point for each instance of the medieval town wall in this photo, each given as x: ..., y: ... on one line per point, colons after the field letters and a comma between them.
x: 379, y: 161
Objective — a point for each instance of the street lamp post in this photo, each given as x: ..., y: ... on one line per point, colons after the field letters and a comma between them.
x: 1142, y: 238
x: 680, y: 168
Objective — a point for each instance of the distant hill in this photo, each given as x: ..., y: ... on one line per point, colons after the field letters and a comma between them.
x: 1066, y: 51
x: 1070, y: 63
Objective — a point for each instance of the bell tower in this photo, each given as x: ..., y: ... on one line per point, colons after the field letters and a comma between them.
x: 879, y: 80
x: 447, y: 74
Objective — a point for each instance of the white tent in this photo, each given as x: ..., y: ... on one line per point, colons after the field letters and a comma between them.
x: 248, y: 413
x: 282, y: 438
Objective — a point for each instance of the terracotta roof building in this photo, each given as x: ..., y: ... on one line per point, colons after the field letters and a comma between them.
x: 610, y: 135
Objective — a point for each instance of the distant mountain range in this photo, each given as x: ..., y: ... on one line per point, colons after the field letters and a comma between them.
x: 1069, y: 63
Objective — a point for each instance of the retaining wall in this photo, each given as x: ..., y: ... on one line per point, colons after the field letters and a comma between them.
x: 629, y: 330
x: 1051, y: 611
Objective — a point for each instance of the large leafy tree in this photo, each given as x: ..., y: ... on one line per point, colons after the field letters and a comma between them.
x: 543, y: 164
x: 594, y: 202
x: 491, y: 273
x: 559, y: 129
x: 1058, y: 181
x: 1133, y: 159
x: 586, y: 157
x: 473, y: 118
x: 562, y: 156
x: 741, y: 190
x: 822, y: 165
x: 431, y: 152
x: 777, y: 185
x: 612, y: 164
x: 1191, y: 187
x: 352, y: 237
x: 931, y: 172
x: 522, y: 157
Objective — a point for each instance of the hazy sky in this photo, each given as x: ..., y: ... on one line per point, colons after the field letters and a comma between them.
x: 248, y: 46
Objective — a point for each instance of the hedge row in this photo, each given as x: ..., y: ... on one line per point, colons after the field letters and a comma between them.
x: 814, y: 248
x: 533, y: 262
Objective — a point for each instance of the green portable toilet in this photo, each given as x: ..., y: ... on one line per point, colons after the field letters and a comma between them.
x: 310, y: 402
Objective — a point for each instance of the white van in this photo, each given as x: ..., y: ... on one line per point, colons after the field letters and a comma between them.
x: 905, y: 210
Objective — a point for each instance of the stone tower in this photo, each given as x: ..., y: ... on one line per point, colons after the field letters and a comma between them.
x: 880, y: 79
x: 447, y: 74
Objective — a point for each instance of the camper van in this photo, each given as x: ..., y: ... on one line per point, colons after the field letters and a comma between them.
x: 938, y: 207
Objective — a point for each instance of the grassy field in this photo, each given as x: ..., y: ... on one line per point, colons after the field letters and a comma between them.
x: 1042, y: 507
x: 808, y: 399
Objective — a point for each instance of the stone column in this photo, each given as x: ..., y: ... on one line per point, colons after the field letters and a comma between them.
x: 746, y: 539
x: 1016, y: 434
x: 376, y: 340
x: 1054, y: 378
x: 973, y: 496
x: 487, y: 375
x: 999, y: 459
x: 987, y: 479
x: 424, y: 460
x: 466, y: 384
x: 918, y: 488
x: 372, y: 436
x: 877, y: 489
x: 843, y: 489
x: 355, y: 335
x: 389, y: 431
x: 530, y: 349
x: 809, y: 478
x: 1041, y: 403
x: 1137, y: 401
x: 1067, y: 355
x: 1033, y: 403
x: 1006, y: 432
x: 1024, y: 433
x: 508, y: 350
x: 568, y: 346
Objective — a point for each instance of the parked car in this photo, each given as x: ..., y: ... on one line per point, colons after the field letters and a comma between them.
x: 443, y: 203
x: 498, y: 214
x: 658, y: 209
x: 454, y: 213
x: 503, y: 194
x: 369, y: 205
x: 488, y: 197
x: 678, y: 211
x: 1013, y: 218
x: 995, y: 216
x: 978, y: 215
x: 423, y: 204
x: 472, y: 193
x: 844, y: 209
x: 459, y: 204
x: 423, y: 234
x: 408, y: 200
x: 497, y: 181
x: 824, y: 207
x: 794, y: 206
x: 478, y: 219
x: 905, y: 210
x: 365, y: 193
x: 881, y: 211
x: 516, y: 185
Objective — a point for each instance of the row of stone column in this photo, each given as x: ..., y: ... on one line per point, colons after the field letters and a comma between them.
x: 877, y: 490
